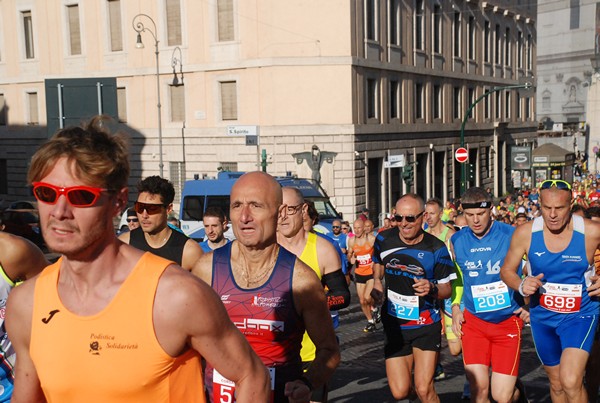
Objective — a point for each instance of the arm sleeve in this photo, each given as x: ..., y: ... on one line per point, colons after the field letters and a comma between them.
x: 457, y: 286
x: 338, y: 294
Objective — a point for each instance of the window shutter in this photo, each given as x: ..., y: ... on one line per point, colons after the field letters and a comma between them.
x: 225, y: 20
x: 173, y: 23
x: 114, y: 17
x: 74, y: 29
x: 229, y: 100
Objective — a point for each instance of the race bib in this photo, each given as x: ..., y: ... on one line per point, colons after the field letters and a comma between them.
x: 403, y: 306
x: 561, y: 298
x: 224, y: 389
x: 364, y: 260
x: 490, y: 297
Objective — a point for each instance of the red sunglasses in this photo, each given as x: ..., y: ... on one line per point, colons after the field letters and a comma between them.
x: 77, y: 196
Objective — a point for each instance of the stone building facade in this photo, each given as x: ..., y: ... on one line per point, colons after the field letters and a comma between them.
x: 370, y: 80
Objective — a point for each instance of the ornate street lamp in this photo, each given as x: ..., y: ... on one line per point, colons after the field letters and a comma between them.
x: 174, y: 62
x: 139, y: 27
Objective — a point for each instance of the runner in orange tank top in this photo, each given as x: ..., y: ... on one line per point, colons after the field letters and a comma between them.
x: 123, y: 326
x: 360, y: 252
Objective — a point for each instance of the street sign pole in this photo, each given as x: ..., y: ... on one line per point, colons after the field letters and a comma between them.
x: 463, y: 170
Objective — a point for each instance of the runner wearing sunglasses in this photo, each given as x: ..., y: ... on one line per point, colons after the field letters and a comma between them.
x: 418, y: 271
x: 123, y: 325
x: 562, y: 285
x: 153, y: 205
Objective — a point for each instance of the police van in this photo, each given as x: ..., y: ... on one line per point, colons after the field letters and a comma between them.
x: 200, y: 194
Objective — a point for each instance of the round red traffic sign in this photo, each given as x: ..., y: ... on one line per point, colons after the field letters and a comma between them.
x: 461, y: 154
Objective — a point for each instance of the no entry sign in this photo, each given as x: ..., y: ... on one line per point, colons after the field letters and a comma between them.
x: 461, y: 154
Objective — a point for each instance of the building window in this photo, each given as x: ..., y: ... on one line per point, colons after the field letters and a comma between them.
x: 471, y: 99
x: 28, y: 34
x: 472, y: 39
x: 529, y: 51
x: 173, y: 23
x: 574, y: 14
x: 419, y: 24
x: 32, y: 107
x: 518, y: 106
x: 177, y: 175
x: 498, y: 47
x: 507, y: 47
x: 527, y: 108
x: 114, y: 21
x: 437, y: 101
x: 371, y: 20
x: 487, y: 45
x: 2, y: 110
x: 457, y: 103
x: 394, y: 100
x: 507, y: 104
x: 371, y: 98
x: 519, y: 49
x: 419, y: 98
x: 122, y: 104
x: 546, y: 101
x: 487, y: 105
x: 225, y: 20
x: 437, y: 28
x: 74, y: 29
x: 395, y: 31
x: 498, y: 104
x: 177, y: 103
x: 456, y: 34
x: 229, y: 100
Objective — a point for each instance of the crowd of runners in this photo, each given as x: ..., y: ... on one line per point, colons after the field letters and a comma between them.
x: 152, y: 315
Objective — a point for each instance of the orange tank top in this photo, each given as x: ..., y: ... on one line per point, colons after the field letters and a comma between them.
x: 364, y: 258
x: 112, y: 356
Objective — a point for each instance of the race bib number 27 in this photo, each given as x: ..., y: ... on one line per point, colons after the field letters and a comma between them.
x: 403, y: 306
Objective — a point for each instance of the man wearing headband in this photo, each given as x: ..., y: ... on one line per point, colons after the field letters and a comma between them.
x: 418, y: 271
x: 490, y: 325
x: 153, y: 205
x: 563, y: 288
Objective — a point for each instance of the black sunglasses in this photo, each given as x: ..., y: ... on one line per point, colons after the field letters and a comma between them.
x: 149, y: 207
x: 132, y: 220
x: 408, y: 218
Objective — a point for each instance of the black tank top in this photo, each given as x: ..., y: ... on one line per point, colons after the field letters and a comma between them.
x: 172, y: 250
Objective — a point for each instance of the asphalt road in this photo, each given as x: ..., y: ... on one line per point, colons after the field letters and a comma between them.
x: 360, y: 377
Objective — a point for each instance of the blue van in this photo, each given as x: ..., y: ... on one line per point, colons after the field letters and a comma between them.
x: 200, y: 194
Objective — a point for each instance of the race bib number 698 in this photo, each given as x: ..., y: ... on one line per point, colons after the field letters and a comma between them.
x: 561, y: 298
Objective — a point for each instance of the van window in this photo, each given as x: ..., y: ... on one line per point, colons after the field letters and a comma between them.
x: 193, y: 208
x: 219, y: 201
x: 324, y: 208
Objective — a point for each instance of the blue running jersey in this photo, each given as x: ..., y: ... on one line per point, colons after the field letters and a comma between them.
x: 566, y: 276
x: 485, y: 295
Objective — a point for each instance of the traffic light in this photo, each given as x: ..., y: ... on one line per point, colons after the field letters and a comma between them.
x: 471, y: 172
x: 408, y: 175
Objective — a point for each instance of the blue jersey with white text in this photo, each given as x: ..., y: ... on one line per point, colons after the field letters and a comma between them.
x: 485, y: 295
x: 566, y: 276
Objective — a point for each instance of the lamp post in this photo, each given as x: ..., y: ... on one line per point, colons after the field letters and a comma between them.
x: 174, y: 62
x: 463, y: 172
x: 139, y: 27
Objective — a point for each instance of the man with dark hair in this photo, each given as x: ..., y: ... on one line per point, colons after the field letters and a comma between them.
x: 153, y: 205
x: 132, y: 220
x: 215, y: 225
x: 562, y: 285
x: 418, y: 270
x: 123, y: 325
